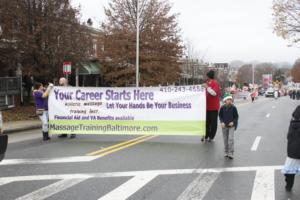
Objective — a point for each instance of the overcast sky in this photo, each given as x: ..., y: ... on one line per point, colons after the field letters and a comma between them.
x: 221, y: 30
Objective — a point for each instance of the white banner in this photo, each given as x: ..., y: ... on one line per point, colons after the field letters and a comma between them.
x: 175, y: 110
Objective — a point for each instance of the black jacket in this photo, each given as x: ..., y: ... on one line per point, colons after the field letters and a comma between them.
x: 229, y: 114
x: 293, y: 137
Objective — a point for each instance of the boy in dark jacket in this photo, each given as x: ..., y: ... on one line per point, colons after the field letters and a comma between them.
x: 229, y: 118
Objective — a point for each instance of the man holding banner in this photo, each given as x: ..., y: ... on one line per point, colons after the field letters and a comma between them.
x: 64, y: 82
x: 213, y: 94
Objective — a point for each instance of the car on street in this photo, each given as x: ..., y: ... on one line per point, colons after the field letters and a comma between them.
x: 270, y: 92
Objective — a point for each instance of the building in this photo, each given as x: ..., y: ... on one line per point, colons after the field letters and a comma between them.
x: 192, y: 71
x: 89, y: 73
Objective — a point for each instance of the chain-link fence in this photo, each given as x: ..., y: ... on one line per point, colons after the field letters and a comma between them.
x: 9, y: 88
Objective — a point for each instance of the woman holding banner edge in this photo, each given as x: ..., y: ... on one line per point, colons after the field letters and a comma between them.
x: 41, y: 102
x: 213, y: 94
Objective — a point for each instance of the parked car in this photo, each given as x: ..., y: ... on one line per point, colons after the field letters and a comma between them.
x: 261, y: 92
x: 270, y: 92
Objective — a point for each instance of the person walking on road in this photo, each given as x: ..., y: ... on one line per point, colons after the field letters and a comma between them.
x: 3, y: 139
x: 65, y: 83
x: 229, y: 119
x: 294, y: 94
x: 292, y: 163
x: 213, y: 93
x: 253, y: 95
x: 41, y: 103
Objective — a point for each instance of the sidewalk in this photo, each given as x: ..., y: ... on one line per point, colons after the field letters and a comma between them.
x: 11, y: 127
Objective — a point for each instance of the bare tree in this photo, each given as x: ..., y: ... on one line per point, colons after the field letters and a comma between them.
x: 160, y: 43
x: 46, y: 32
x: 287, y: 21
x: 295, y: 72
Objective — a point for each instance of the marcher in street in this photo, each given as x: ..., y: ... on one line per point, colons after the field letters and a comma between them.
x: 292, y: 163
x: 41, y: 102
x: 229, y: 119
x: 3, y: 139
x: 253, y: 95
x: 298, y: 94
x: 64, y: 82
x: 276, y: 94
x: 294, y: 94
x: 213, y: 93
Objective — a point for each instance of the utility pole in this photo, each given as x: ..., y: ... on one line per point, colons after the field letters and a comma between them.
x: 137, y: 44
x: 253, y: 74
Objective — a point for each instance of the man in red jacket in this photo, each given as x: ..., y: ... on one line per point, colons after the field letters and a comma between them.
x: 213, y: 94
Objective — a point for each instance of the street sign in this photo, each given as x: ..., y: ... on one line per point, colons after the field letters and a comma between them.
x: 221, y: 66
x: 67, y: 68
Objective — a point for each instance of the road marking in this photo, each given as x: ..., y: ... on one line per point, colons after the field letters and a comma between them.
x: 129, y: 188
x: 137, y: 173
x: 48, y: 160
x: 115, y: 146
x: 91, y: 157
x: 199, y: 187
x: 50, y: 190
x: 263, y: 188
x: 125, y: 146
x: 22, y: 137
x: 256, y: 143
x: 268, y: 115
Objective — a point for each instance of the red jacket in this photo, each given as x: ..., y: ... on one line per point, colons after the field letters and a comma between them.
x: 213, y: 102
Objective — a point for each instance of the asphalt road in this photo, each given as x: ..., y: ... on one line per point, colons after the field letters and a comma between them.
x: 158, y: 168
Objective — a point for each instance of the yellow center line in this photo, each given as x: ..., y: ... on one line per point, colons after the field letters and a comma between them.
x: 126, y: 146
x: 117, y: 145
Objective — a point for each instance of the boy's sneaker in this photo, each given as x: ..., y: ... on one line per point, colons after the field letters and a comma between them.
x: 226, y: 155
x: 203, y: 139
x: 230, y: 156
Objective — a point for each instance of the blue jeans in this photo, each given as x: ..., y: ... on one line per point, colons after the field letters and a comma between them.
x: 228, y: 137
x: 45, y: 119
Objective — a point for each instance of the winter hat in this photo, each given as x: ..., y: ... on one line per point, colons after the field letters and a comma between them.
x: 211, y: 74
x: 296, y: 113
x: 227, y: 96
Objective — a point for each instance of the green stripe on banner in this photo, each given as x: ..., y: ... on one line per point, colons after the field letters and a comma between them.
x: 127, y: 127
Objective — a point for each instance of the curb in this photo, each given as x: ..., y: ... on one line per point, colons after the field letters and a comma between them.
x: 10, y: 131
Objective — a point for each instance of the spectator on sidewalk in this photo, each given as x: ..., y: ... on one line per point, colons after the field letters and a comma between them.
x: 229, y: 119
x: 28, y: 84
x: 41, y: 102
x: 213, y: 93
x: 1, y: 123
x: 65, y: 83
x: 292, y: 163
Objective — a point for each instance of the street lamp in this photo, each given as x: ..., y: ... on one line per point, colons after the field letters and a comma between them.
x: 137, y: 44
